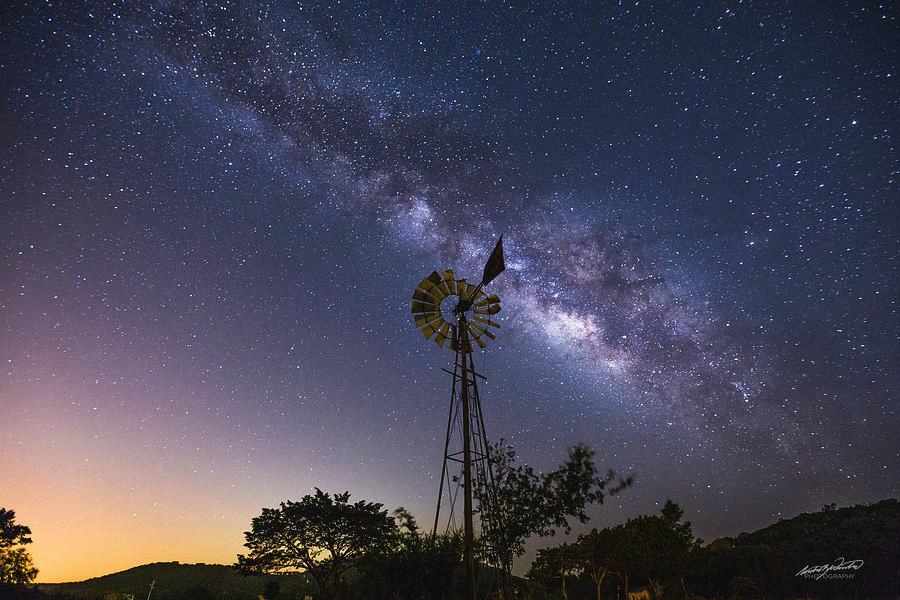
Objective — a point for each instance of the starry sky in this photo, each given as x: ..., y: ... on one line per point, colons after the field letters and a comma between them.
x: 215, y: 214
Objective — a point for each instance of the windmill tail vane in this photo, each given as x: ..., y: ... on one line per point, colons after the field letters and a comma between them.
x: 495, y: 264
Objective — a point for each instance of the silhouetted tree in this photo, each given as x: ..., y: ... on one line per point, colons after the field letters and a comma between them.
x: 406, y: 520
x: 522, y: 503
x: 413, y: 567
x: 660, y: 546
x: 15, y: 563
x: 555, y: 564
x: 11, y: 533
x: 603, y: 553
x: 320, y: 535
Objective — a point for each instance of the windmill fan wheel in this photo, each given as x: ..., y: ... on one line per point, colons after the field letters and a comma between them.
x: 445, y: 288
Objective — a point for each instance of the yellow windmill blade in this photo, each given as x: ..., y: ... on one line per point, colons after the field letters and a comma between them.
x: 474, y: 335
x: 478, y: 330
x: 493, y: 309
x: 449, y: 280
x: 437, y: 293
x: 423, y: 307
x: 487, y: 322
x: 426, y: 318
x: 432, y: 327
x: 424, y: 296
x: 434, y: 285
x: 445, y: 289
x: 441, y: 337
x: 464, y: 289
x: 428, y: 286
x: 492, y: 299
x: 426, y: 283
x: 438, y: 282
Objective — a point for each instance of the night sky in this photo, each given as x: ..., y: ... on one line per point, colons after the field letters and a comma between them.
x: 215, y: 214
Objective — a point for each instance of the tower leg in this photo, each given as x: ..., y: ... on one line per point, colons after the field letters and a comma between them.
x: 468, y: 534
x: 437, y: 510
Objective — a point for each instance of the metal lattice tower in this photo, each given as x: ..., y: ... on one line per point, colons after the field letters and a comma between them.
x: 449, y: 308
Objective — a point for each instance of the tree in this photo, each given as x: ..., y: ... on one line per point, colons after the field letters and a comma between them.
x: 555, y: 563
x: 406, y: 521
x: 320, y: 535
x: 602, y: 553
x: 414, y: 567
x: 15, y: 563
x: 682, y: 549
x: 12, y: 534
x: 660, y: 546
x: 410, y: 565
x: 522, y: 503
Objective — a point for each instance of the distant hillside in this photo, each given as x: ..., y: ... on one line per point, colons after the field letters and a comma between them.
x: 773, y: 557
x: 176, y: 581
x: 865, y: 528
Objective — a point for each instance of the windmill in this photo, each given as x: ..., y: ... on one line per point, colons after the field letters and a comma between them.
x: 447, y: 308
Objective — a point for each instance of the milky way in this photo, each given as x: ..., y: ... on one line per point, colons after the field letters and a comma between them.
x: 215, y: 215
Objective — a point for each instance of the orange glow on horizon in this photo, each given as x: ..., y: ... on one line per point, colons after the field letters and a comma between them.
x: 101, y: 504
x: 78, y: 537
x: 101, y: 497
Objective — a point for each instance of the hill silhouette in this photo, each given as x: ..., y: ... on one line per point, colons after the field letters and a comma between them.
x: 772, y: 559
x: 177, y: 581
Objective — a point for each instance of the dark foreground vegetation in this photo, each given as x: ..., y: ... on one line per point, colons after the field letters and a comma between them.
x: 836, y: 553
x: 176, y: 581
x: 331, y: 539
x: 657, y: 555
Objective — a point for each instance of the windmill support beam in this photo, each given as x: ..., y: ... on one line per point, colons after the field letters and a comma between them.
x: 471, y: 372
x: 468, y: 528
